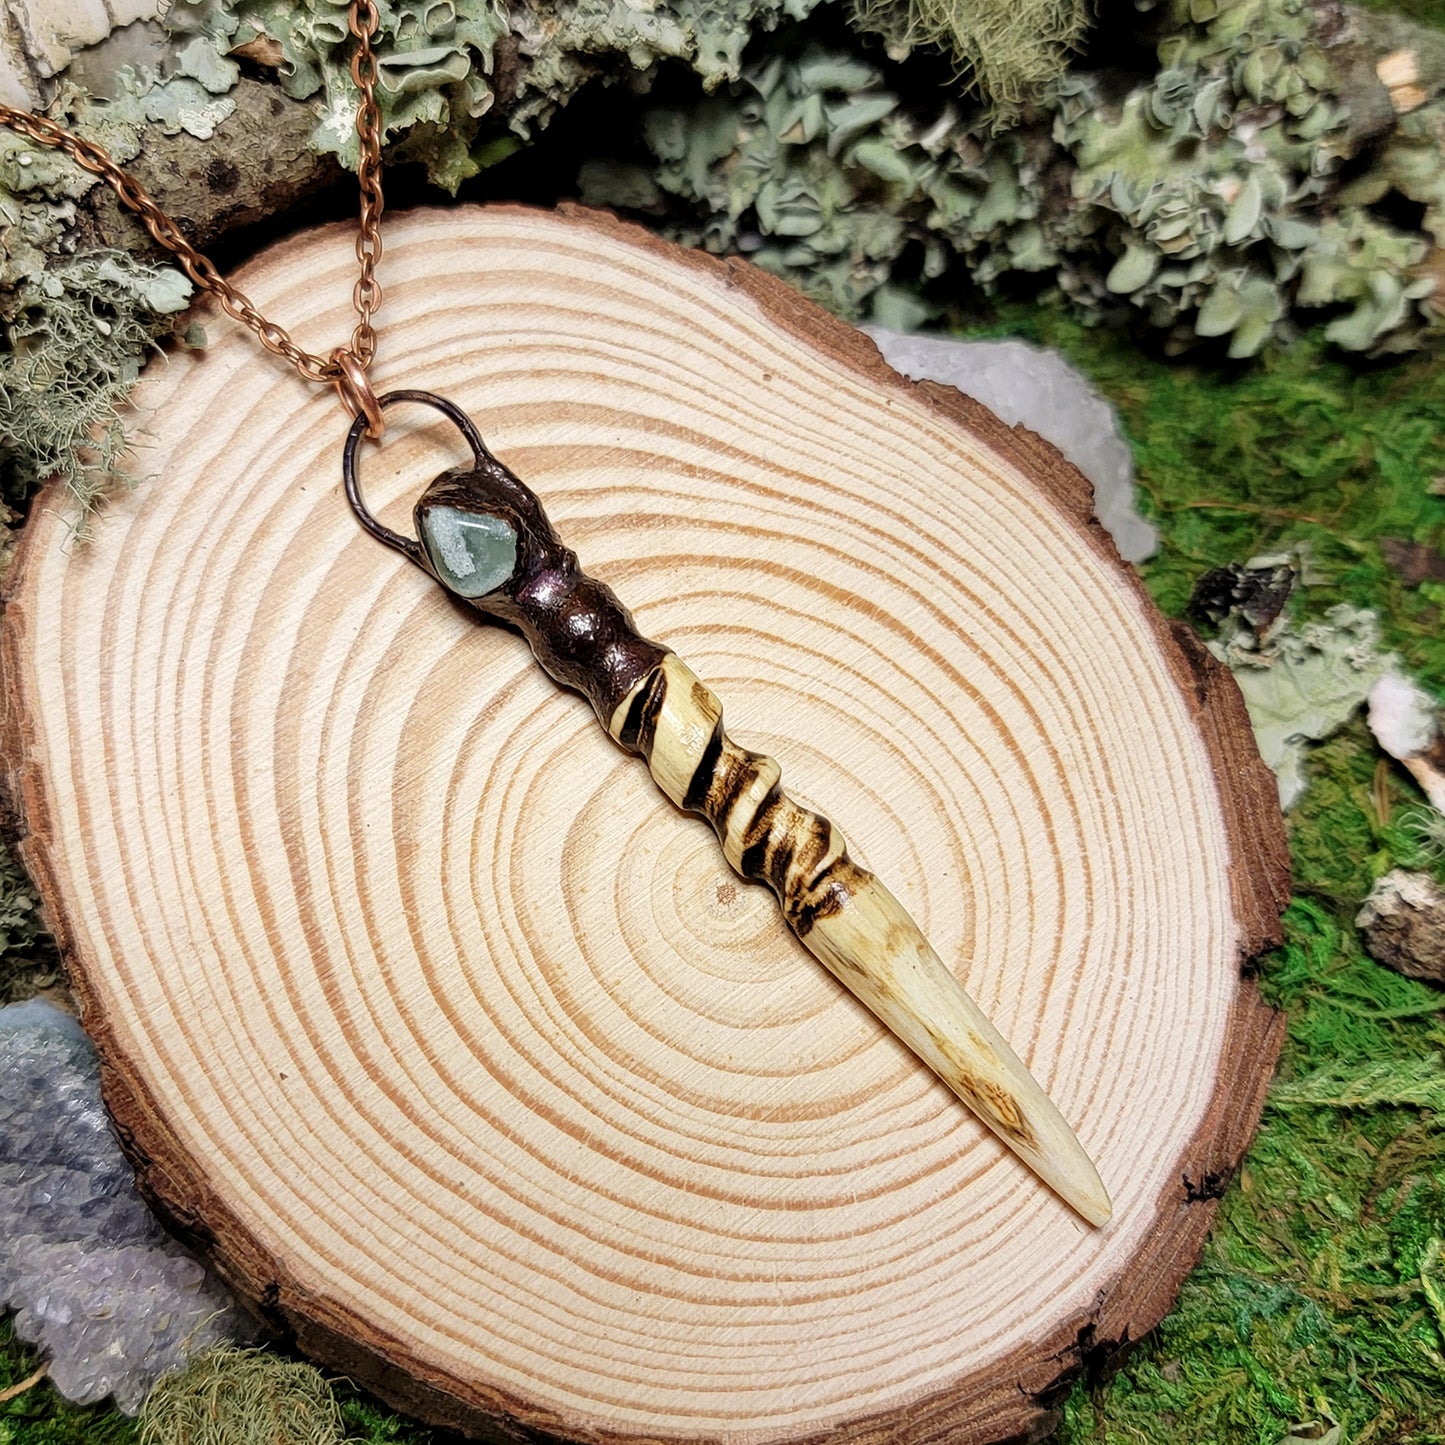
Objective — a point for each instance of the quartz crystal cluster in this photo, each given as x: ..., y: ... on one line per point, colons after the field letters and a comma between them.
x: 1026, y: 386
x: 96, y: 1283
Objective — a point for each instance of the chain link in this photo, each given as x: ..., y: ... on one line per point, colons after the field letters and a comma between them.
x: 366, y: 295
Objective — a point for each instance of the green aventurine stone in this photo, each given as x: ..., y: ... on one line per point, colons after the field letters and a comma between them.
x: 473, y: 553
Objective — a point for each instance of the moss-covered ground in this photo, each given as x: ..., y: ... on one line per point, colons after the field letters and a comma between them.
x: 1321, y: 1295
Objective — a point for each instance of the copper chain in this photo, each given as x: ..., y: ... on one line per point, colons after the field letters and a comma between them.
x: 366, y: 295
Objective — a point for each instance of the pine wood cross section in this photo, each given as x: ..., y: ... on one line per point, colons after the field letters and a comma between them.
x: 460, y: 1049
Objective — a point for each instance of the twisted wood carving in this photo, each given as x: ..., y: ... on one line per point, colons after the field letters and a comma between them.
x: 484, y: 536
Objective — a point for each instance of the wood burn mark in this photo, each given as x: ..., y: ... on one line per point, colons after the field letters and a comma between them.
x: 990, y: 1099
x: 639, y: 732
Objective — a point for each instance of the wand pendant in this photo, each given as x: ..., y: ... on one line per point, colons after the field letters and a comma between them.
x: 482, y: 534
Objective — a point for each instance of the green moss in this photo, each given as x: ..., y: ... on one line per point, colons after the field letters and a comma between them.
x: 368, y: 1423
x: 1320, y: 1287
x: 1361, y: 816
x: 1313, y: 1296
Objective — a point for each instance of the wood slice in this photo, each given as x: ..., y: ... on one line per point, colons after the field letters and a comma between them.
x: 459, y: 1045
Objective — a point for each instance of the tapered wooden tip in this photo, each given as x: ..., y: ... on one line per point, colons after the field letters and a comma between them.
x: 1045, y: 1142
x: 1093, y: 1201
x: 1071, y: 1174
x: 847, y: 919
x: 874, y: 947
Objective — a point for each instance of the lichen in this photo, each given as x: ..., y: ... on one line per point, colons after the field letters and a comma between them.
x: 242, y: 1397
x: 1007, y: 49
x: 564, y: 45
x: 433, y: 65
x: 436, y: 61
x: 1208, y: 202
x: 76, y: 326
x: 75, y: 337
x: 1301, y: 684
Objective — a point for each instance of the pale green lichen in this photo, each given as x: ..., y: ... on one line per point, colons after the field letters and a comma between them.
x: 75, y: 338
x: 1302, y: 683
x: 433, y: 65
x: 76, y: 326
x: 1007, y: 49
x: 435, y: 60
x: 242, y: 1397
x: 187, y: 90
x: 1324, y: 1431
x: 1208, y: 201
x: 1224, y: 178
x: 565, y: 45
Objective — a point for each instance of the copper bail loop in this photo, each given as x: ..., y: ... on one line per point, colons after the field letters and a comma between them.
x: 355, y: 391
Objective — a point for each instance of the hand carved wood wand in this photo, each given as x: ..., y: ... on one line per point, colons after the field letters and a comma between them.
x: 484, y: 536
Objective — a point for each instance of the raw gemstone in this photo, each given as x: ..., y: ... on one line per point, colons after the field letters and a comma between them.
x: 96, y: 1283
x: 1024, y: 385
x: 473, y: 553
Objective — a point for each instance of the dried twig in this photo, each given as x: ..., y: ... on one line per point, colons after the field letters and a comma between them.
x: 13, y: 1392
